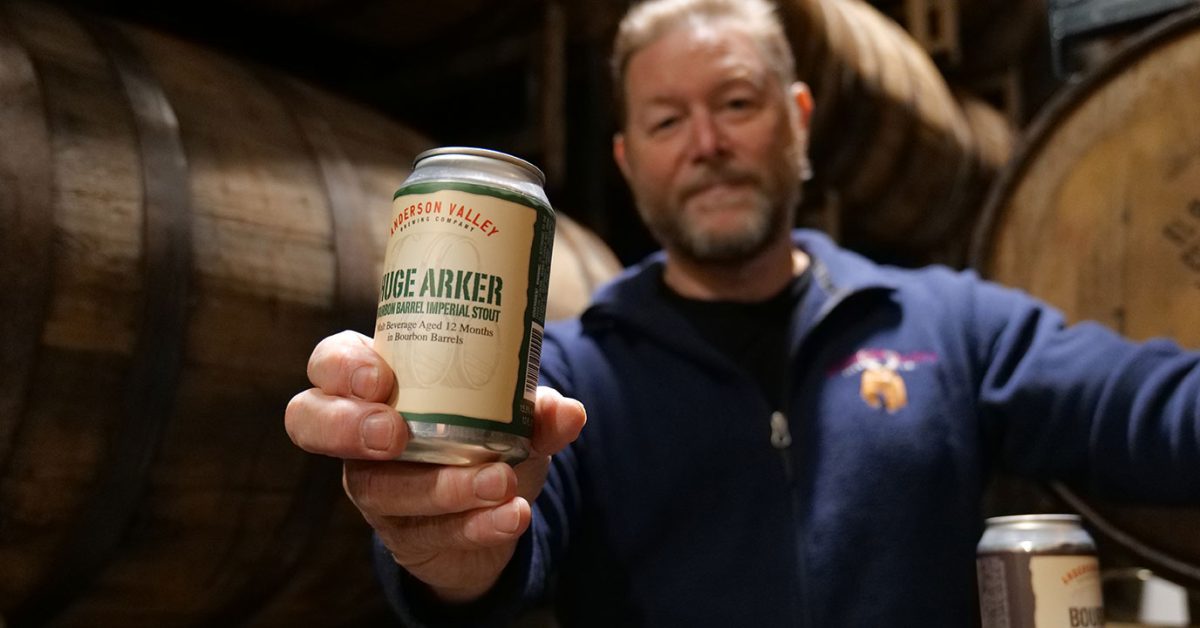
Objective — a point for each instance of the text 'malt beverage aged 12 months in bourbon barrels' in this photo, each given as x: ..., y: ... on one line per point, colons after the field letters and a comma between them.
x: 462, y: 303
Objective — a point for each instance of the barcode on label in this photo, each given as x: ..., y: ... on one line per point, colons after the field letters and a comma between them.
x: 535, y: 358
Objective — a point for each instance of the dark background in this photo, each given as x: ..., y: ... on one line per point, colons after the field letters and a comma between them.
x: 531, y: 77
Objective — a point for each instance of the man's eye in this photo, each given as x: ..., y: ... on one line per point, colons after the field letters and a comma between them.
x: 739, y: 104
x: 662, y: 124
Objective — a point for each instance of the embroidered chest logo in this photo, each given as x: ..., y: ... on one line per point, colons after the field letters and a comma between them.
x: 880, y: 383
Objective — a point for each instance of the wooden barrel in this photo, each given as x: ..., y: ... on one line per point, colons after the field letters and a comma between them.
x: 994, y: 139
x: 887, y: 134
x: 1099, y: 214
x: 581, y: 261
x: 177, y: 230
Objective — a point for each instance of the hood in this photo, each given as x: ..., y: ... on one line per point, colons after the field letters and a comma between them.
x: 635, y: 298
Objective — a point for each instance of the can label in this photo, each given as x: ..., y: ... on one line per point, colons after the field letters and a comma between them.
x: 461, y: 304
x: 1023, y: 590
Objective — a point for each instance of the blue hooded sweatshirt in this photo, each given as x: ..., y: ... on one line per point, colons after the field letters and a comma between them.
x: 689, y: 500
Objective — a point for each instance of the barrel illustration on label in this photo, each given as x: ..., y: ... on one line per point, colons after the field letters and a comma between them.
x: 462, y: 303
x: 459, y: 352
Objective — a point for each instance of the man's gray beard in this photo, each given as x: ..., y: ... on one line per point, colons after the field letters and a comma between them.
x: 730, y: 246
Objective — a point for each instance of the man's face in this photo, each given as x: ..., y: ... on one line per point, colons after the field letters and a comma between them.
x: 713, y: 144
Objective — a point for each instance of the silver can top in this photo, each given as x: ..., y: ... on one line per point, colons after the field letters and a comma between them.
x: 482, y: 156
x: 1040, y: 533
x: 480, y: 165
x: 1035, y: 521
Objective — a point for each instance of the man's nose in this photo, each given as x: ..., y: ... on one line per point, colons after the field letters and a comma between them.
x: 708, y: 140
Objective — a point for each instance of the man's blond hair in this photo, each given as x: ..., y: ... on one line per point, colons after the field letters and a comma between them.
x: 647, y: 21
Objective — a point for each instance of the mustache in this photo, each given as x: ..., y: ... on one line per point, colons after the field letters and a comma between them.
x: 711, y: 175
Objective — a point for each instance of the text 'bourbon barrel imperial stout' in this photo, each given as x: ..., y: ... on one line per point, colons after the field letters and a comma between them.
x: 462, y: 302
x: 1038, y: 571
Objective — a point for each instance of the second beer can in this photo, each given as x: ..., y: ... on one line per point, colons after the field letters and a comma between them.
x: 462, y: 304
x: 1038, y: 571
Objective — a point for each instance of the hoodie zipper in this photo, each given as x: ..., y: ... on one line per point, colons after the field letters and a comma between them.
x: 781, y: 439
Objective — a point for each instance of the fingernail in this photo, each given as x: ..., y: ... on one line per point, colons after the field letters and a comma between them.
x: 364, y: 382
x: 507, y: 518
x: 378, y: 431
x: 490, y: 484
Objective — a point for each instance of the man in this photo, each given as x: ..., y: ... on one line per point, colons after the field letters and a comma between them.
x: 781, y: 432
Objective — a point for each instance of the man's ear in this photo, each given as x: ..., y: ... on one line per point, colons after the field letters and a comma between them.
x: 804, y: 107
x: 618, y: 147
x: 804, y: 102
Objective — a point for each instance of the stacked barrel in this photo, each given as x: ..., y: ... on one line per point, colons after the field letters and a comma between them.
x: 179, y: 230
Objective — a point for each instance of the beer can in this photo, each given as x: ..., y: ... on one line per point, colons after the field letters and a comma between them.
x: 462, y: 303
x: 1038, y: 571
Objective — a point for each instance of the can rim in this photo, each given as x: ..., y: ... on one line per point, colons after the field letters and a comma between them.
x: 481, y: 152
x: 1034, y: 519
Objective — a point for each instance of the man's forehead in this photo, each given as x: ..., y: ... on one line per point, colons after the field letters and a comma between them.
x: 697, y: 48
